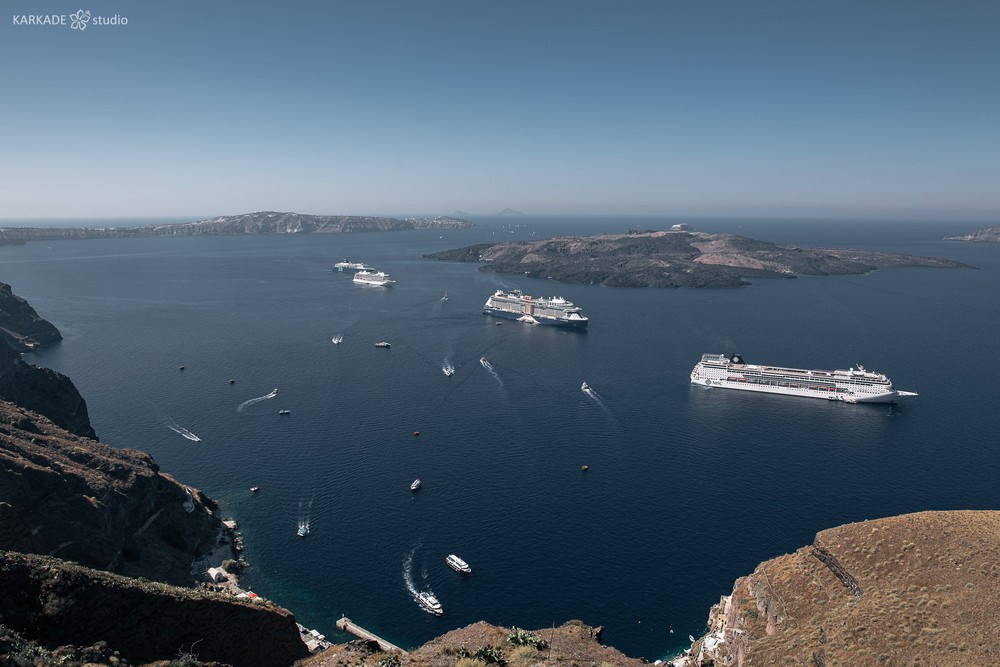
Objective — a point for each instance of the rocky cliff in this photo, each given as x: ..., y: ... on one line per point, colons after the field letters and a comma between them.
x: 260, y: 222
x: 72, y: 497
x: 674, y: 259
x: 141, y: 620
x: 990, y: 235
x: 917, y: 589
x: 20, y: 326
x: 43, y: 391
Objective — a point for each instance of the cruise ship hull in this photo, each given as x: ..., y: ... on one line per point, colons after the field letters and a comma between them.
x: 850, y: 386
x: 567, y: 323
x: 887, y: 397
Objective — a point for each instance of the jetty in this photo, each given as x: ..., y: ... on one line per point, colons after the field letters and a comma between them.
x: 347, y: 625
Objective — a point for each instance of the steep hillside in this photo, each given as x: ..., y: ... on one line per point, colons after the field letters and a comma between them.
x: 64, y: 603
x: 917, y: 589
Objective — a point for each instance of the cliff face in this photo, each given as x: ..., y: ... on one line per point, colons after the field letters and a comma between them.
x: 912, y: 589
x: 44, y: 391
x: 673, y: 259
x: 989, y: 235
x: 72, y: 497
x: 260, y: 222
x: 141, y: 620
x: 20, y: 326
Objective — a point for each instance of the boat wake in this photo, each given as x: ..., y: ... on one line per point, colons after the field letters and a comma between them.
x: 180, y: 430
x: 589, y: 391
x: 338, y: 339
x: 411, y: 585
x: 246, y: 404
x: 305, y: 515
x: 489, y: 367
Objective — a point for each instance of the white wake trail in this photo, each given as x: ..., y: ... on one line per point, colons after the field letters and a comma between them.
x: 489, y: 367
x: 180, y: 430
x: 245, y: 404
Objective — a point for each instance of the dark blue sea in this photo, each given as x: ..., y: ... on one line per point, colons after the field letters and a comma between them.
x: 687, y: 488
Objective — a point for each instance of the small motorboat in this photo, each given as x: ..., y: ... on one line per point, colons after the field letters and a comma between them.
x: 429, y: 603
x: 382, y: 344
x: 254, y: 489
x: 457, y: 564
x: 415, y: 485
x: 284, y: 412
x: 303, y: 529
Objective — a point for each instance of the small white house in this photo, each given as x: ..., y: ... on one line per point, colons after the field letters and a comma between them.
x: 217, y: 575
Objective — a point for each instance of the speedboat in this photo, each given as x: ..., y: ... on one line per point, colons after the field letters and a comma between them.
x: 585, y: 387
x: 303, y: 530
x: 457, y: 564
x: 415, y: 485
x: 382, y: 344
x: 284, y: 412
x: 254, y: 489
x: 448, y: 370
x: 430, y: 603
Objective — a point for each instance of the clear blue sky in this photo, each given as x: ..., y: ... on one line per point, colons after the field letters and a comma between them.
x: 669, y: 107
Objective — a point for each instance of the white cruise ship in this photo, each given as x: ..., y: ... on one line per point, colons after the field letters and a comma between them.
x: 376, y: 278
x: 554, y: 311
x: 855, y: 385
x: 457, y: 564
x: 430, y: 603
x: 352, y: 266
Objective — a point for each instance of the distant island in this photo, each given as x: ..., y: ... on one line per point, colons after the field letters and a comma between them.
x: 989, y: 235
x: 509, y: 211
x: 260, y: 222
x: 674, y: 259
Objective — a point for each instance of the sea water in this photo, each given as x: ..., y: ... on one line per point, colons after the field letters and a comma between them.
x: 686, y: 489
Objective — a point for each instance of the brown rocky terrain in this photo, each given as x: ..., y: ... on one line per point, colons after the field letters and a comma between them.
x: 72, y: 497
x: 674, y: 259
x: 141, y: 620
x: 573, y: 643
x: 917, y: 589
x: 990, y: 235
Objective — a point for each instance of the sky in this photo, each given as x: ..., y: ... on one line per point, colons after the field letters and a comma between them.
x: 636, y: 107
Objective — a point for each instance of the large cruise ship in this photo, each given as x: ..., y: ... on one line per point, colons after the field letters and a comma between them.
x: 855, y: 385
x: 352, y: 266
x: 377, y: 278
x: 555, y: 311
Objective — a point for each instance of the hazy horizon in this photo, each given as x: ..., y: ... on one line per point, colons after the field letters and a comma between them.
x: 770, y: 109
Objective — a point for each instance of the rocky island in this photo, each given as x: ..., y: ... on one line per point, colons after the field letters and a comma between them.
x: 988, y: 235
x: 260, y: 222
x: 674, y: 259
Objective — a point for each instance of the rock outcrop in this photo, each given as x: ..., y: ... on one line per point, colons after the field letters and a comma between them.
x: 80, y: 500
x: 43, y: 391
x: 674, y: 259
x: 989, y: 235
x: 141, y: 620
x: 20, y: 326
x: 906, y: 590
x: 572, y: 643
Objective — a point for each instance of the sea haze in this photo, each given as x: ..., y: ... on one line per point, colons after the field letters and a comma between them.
x: 687, y: 488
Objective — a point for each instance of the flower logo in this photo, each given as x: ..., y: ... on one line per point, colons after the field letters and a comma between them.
x: 80, y: 19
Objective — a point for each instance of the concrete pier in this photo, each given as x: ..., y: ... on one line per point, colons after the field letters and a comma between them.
x: 347, y: 625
